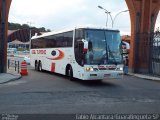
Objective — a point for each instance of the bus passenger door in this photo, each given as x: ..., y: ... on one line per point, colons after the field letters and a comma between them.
x: 81, y: 47
x: 79, y: 54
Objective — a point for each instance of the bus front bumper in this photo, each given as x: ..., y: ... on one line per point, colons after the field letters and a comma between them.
x: 102, y: 75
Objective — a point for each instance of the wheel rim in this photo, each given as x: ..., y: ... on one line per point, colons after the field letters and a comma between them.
x: 40, y: 66
x: 36, y: 66
x: 70, y: 74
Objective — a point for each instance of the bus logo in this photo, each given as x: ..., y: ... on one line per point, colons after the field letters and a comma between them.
x: 53, y: 52
x: 58, y: 55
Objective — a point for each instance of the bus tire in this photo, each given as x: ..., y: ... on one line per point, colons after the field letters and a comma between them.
x: 70, y: 74
x: 39, y: 66
x: 36, y: 65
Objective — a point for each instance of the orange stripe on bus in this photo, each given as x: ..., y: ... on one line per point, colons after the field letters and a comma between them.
x: 53, y: 67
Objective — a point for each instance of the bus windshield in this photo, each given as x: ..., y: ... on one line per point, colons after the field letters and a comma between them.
x: 103, y: 47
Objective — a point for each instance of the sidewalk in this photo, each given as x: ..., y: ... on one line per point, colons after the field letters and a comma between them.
x: 148, y: 77
x: 11, y: 75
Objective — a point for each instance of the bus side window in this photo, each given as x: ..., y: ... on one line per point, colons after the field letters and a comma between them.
x: 68, y: 39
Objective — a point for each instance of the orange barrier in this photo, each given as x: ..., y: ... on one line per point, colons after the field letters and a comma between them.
x: 24, y: 68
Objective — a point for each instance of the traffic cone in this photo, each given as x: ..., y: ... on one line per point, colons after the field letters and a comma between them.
x: 24, y: 68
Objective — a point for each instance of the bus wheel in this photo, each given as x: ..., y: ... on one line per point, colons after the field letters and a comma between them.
x: 36, y: 65
x: 70, y: 74
x: 40, y: 66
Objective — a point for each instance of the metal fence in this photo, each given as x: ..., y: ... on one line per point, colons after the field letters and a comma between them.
x: 148, y: 48
x: 155, y: 58
x: 13, y: 65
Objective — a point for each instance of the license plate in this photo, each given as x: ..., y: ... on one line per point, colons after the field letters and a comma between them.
x: 114, y: 75
x: 107, y: 75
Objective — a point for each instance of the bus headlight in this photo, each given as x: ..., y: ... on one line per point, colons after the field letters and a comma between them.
x: 88, y: 69
x: 120, y: 68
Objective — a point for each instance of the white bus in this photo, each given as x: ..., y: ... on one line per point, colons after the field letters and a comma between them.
x: 83, y: 53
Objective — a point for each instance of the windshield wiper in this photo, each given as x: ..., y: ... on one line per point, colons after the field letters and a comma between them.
x: 104, y: 58
x: 115, y: 62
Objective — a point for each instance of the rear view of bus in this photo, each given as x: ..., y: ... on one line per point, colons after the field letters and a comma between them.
x: 98, y: 51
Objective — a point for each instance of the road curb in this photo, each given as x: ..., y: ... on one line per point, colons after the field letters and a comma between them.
x: 14, y: 77
x: 147, y: 77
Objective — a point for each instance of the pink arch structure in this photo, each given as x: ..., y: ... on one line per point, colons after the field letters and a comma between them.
x: 143, y: 14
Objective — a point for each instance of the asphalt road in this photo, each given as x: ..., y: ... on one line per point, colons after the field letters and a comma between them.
x: 48, y: 93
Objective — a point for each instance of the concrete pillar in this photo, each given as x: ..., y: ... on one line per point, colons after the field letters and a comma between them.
x: 143, y: 14
x: 4, y: 10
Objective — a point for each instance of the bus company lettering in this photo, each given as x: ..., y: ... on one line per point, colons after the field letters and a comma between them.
x: 33, y: 51
x: 38, y: 51
x: 41, y: 51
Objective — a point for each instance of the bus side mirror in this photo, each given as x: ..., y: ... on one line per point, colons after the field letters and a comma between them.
x: 85, y: 47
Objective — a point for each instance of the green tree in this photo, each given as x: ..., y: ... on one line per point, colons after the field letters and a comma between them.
x: 16, y: 26
x: 25, y: 26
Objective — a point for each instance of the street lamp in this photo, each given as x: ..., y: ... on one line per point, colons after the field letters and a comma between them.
x: 30, y: 32
x: 117, y: 15
x: 106, y: 19
x: 106, y: 11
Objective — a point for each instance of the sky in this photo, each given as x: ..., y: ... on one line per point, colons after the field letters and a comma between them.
x: 62, y: 14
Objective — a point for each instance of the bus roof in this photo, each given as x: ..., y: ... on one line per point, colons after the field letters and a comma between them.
x: 71, y: 29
